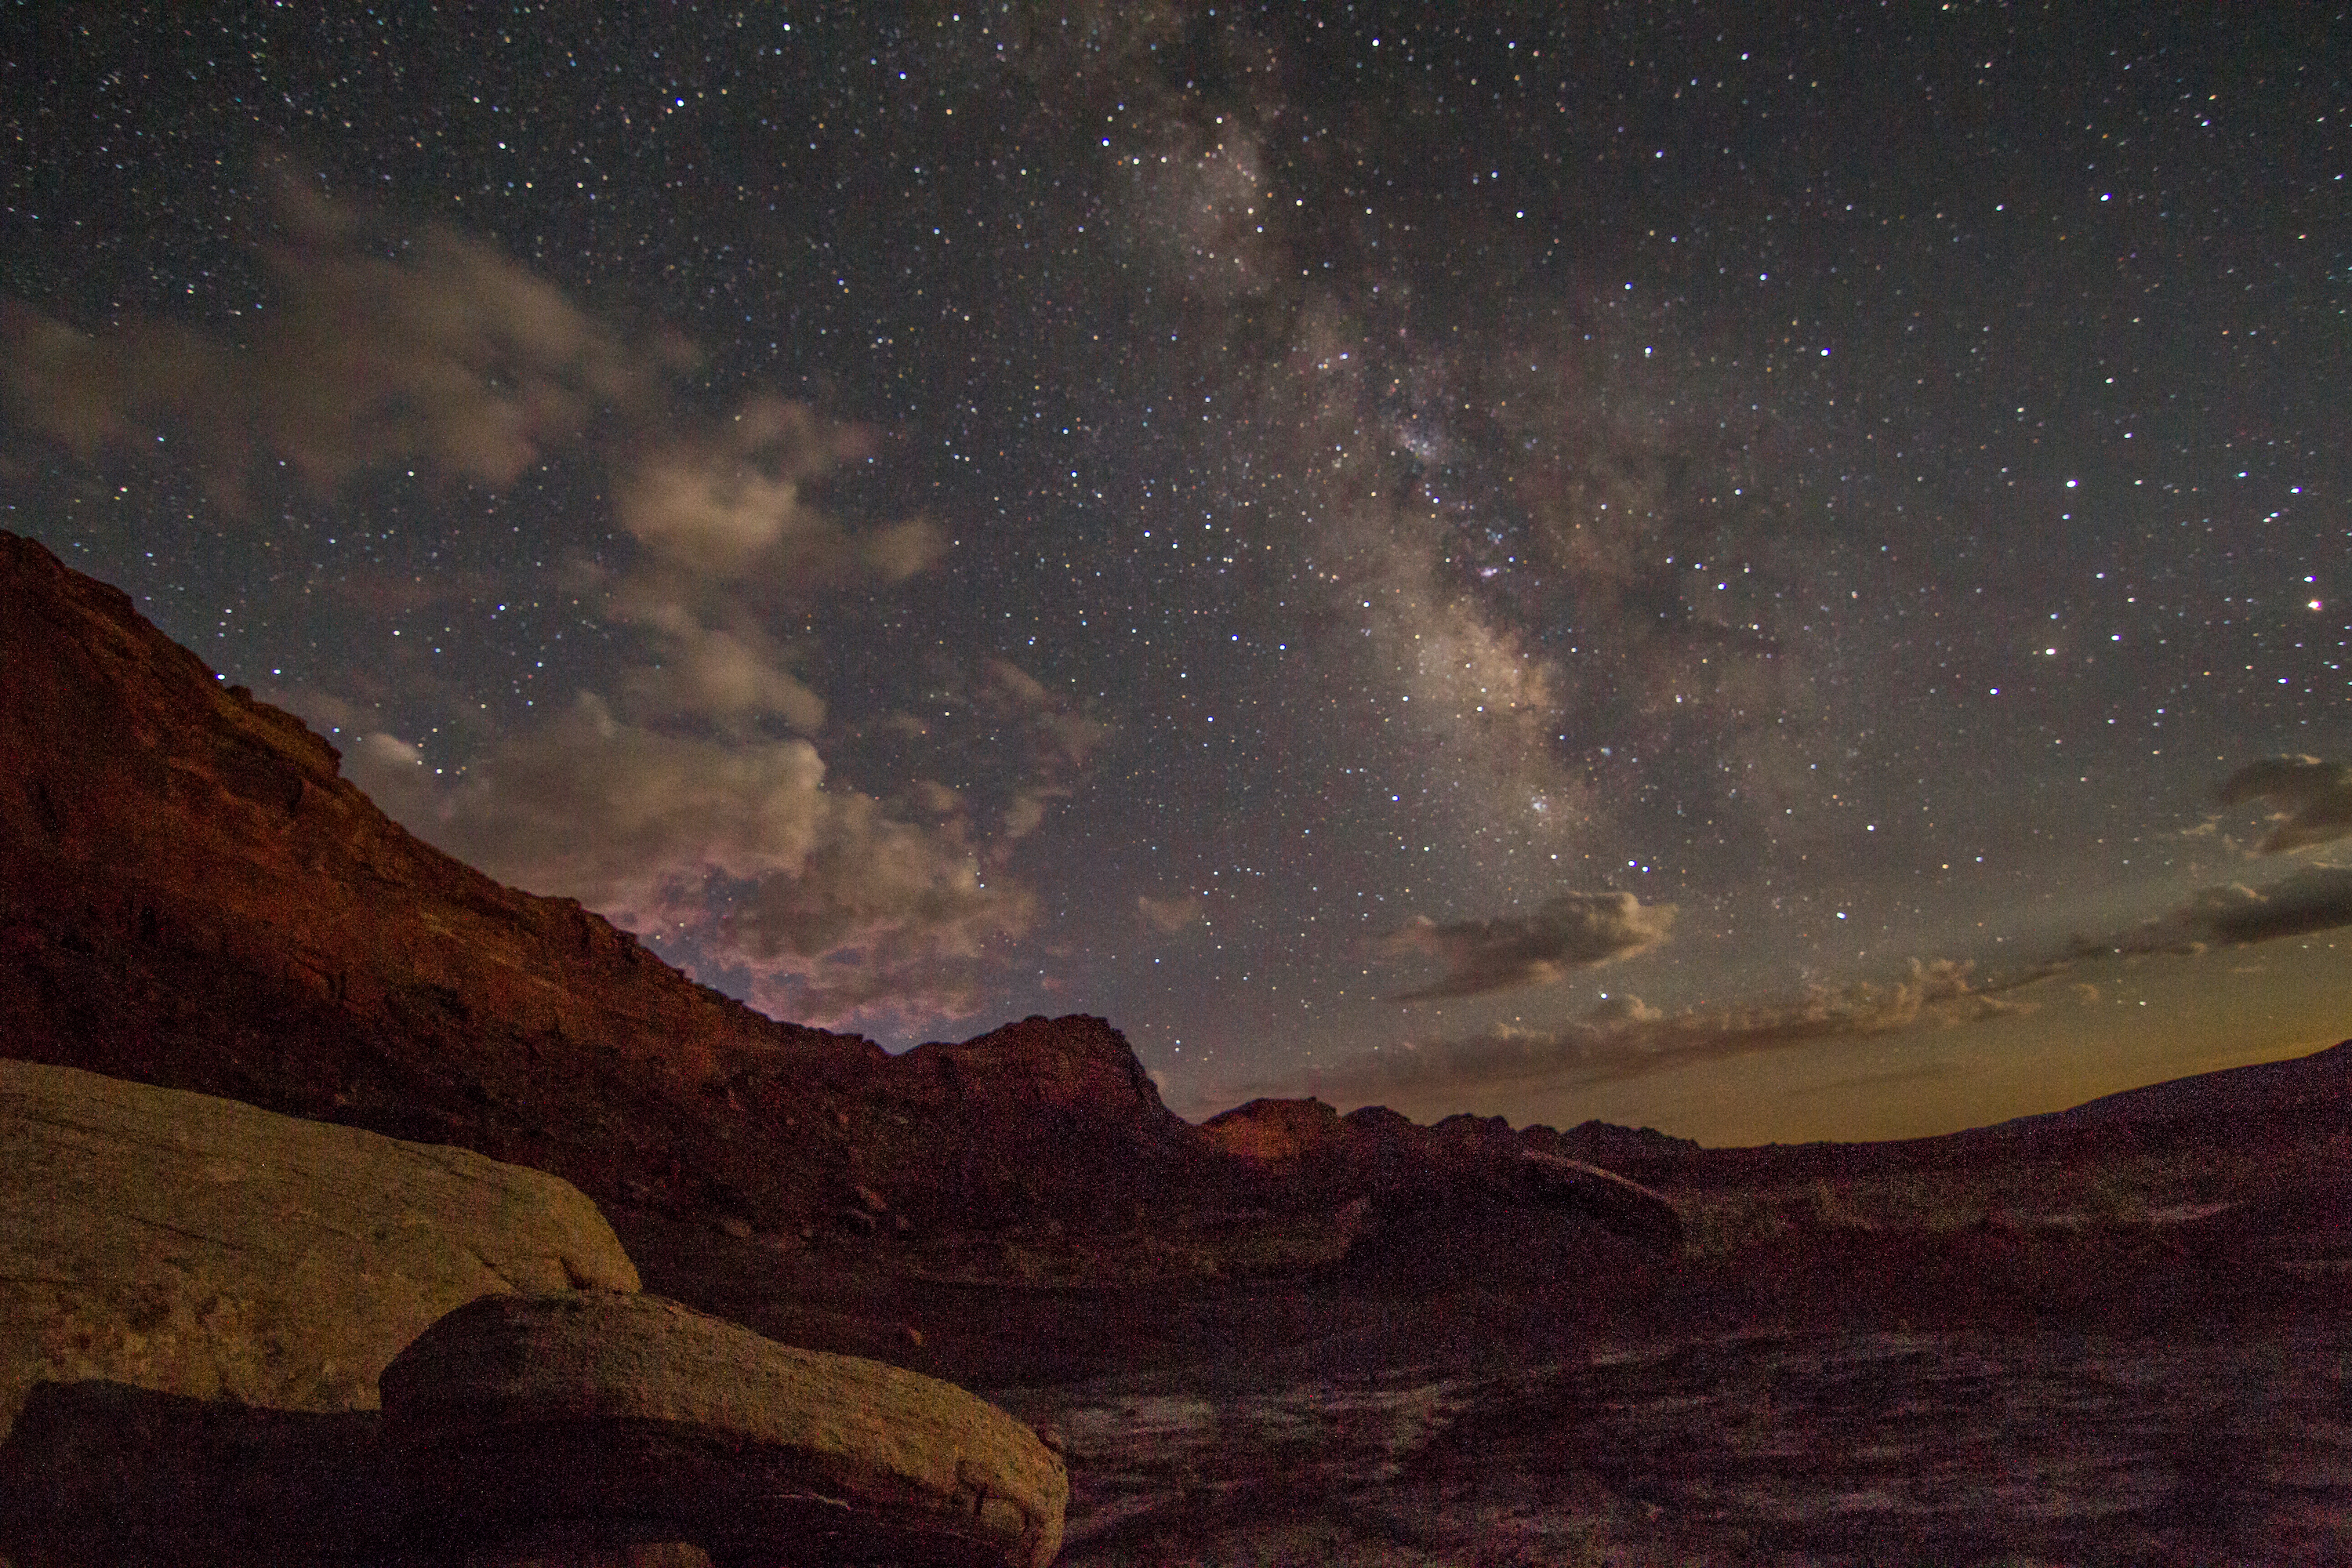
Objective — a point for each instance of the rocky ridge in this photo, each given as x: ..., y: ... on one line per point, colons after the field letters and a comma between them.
x: 191, y: 895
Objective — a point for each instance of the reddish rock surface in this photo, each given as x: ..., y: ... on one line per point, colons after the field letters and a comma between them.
x: 1468, y: 1194
x: 191, y: 895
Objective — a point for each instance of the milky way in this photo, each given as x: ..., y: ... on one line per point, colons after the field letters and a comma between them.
x: 1642, y: 559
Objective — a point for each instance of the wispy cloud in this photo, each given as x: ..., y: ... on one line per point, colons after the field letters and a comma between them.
x: 1170, y: 915
x: 1625, y: 1038
x: 382, y: 342
x: 1572, y: 931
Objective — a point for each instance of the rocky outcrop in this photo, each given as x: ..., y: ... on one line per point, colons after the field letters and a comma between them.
x: 1043, y: 1118
x: 1417, y: 1179
x: 1278, y: 1133
x: 191, y: 895
x: 593, y: 1419
x: 192, y: 1246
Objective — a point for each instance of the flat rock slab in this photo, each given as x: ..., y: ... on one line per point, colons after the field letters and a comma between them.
x: 189, y: 1245
x: 627, y: 1417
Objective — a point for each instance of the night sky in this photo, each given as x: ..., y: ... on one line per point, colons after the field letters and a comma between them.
x: 1770, y: 573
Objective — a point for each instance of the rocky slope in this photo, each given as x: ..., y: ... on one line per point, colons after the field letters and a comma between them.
x: 191, y: 895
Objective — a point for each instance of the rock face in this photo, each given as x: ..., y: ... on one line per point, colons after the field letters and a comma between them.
x: 603, y: 1419
x: 1277, y: 1132
x: 1468, y: 1196
x: 1044, y: 1116
x: 191, y: 895
x: 191, y: 1245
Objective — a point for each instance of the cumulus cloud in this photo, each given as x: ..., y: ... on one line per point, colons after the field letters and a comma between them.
x: 384, y: 341
x: 1624, y: 1037
x: 2311, y: 799
x: 688, y: 797
x: 621, y: 817
x: 831, y: 904
x: 2316, y: 899
x: 1572, y: 931
x: 737, y: 501
x: 731, y: 677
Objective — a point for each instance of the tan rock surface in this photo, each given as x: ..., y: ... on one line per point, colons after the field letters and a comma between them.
x: 516, y: 1415
x: 189, y: 1245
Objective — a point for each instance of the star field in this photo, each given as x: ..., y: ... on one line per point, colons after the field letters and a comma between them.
x: 1644, y: 561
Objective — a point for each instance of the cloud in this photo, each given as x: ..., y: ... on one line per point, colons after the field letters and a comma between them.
x: 2319, y: 899
x: 414, y: 343
x: 736, y: 501
x: 2312, y: 799
x: 733, y: 677
x: 621, y: 817
x: 386, y: 341
x: 1625, y: 1038
x: 831, y: 905
x: 881, y: 911
x: 1574, y: 930
x: 687, y: 799
x: 1623, y: 1009
x: 1170, y: 915
x: 1061, y: 738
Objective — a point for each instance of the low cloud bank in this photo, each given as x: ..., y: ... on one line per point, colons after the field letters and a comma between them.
x: 2311, y: 901
x: 1624, y: 1037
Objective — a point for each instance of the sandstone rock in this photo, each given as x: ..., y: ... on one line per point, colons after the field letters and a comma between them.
x: 191, y: 895
x: 1046, y: 1120
x: 187, y: 1245
x: 626, y: 1418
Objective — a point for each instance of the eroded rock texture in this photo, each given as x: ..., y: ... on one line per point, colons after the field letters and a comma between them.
x: 192, y: 1246
x: 600, y: 1416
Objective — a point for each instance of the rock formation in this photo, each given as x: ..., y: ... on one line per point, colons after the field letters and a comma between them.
x: 191, y: 896
x: 192, y: 1246
x: 1416, y: 1179
x: 599, y: 1419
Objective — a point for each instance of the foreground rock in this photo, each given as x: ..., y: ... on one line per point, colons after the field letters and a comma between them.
x: 189, y: 1246
x: 596, y: 1420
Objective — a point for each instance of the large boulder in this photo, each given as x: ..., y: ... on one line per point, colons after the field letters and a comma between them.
x: 191, y: 1245
x: 593, y: 1420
